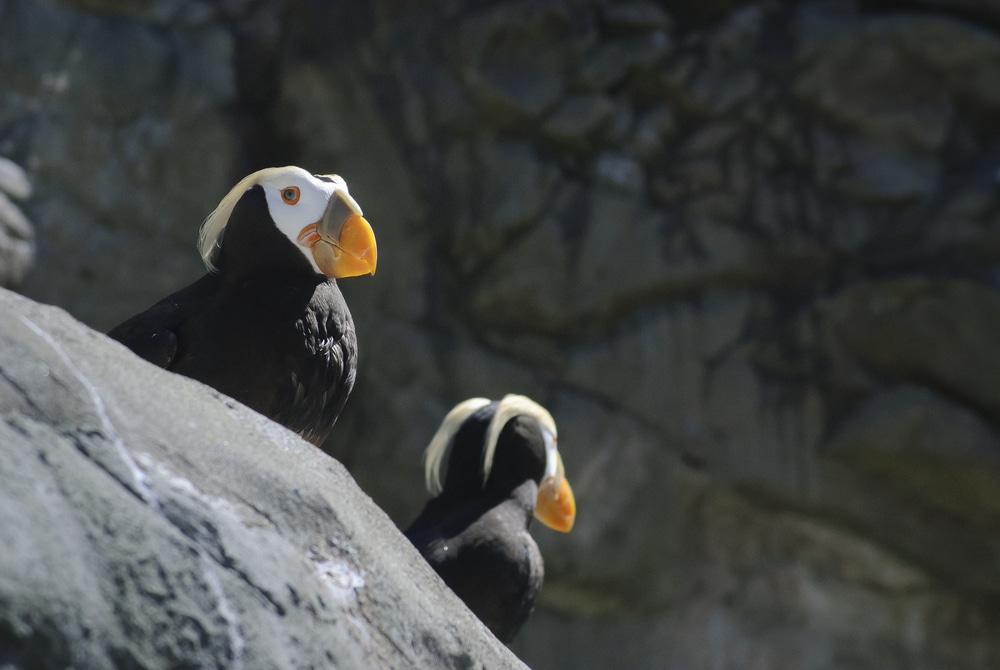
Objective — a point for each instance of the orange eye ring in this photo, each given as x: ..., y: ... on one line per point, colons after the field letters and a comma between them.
x: 290, y: 194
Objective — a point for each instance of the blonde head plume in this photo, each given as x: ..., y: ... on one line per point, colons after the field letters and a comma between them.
x: 214, y: 226
x: 434, y: 455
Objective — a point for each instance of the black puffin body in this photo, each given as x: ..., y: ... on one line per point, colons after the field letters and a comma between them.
x: 475, y: 532
x: 267, y: 326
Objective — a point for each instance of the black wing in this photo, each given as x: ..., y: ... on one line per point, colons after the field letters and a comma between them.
x: 492, y: 565
x: 153, y: 334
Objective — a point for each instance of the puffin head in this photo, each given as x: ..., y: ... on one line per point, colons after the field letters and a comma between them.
x: 315, y: 212
x: 489, y: 443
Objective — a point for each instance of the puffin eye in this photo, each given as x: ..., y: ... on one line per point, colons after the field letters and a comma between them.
x: 290, y: 194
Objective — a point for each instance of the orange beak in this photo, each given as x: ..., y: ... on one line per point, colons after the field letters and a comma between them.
x: 342, y: 242
x: 555, y: 505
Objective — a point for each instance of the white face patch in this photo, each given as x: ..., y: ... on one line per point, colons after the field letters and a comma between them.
x: 296, y: 199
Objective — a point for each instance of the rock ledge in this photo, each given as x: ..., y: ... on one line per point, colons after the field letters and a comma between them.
x: 150, y: 522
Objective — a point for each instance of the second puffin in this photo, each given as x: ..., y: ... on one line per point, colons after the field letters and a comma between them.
x: 267, y: 325
x: 492, y: 467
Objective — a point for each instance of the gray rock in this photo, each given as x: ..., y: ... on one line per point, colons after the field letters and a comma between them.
x: 709, y: 140
x: 611, y: 62
x: 513, y: 291
x: 636, y: 16
x: 514, y: 57
x: 716, y: 91
x: 912, y: 423
x: 938, y: 332
x: 700, y: 174
x: 144, y: 9
x: 619, y: 172
x: 619, y: 132
x: 662, y: 377
x: 723, y: 80
x: 874, y: 174
x: 578, y: 117
x: 512, y: 189
x: 449, y: 104
x: 711, y: 210
x: 518, y: 94
x: 753, y: 576
x: 908, y: 464
x: 872, y: 76
x: 114, y: 73
x: 100, y: 136
x: 26, y: 68
x: 152, y: 522
x: 724, y: 317
x: 654, y: 129
x: 764, y: 578
x: 737, y: 36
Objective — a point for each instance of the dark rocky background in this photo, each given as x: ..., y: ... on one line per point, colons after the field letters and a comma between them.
x: 746, y: 252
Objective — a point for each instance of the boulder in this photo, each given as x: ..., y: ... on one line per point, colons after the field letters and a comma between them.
x: 148, y: 521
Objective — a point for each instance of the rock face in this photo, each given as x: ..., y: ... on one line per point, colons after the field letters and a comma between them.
x: 745, y: 251
x: 149, y: 522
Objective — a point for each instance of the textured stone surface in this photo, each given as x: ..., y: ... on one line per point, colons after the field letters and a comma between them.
x: 939, y: 332
x: 744, y: 250
x: 150, y: 522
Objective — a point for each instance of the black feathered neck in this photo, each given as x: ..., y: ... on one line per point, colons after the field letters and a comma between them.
x: 252, y: 244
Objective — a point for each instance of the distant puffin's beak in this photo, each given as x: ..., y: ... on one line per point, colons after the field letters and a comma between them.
x: 556, y: 505
x: 342, y: 242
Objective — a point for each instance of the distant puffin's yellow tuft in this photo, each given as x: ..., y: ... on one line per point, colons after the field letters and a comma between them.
x: 212, y: 229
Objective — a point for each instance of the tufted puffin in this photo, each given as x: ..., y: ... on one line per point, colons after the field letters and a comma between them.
x: 267, y: 325
x: 503, y: 467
